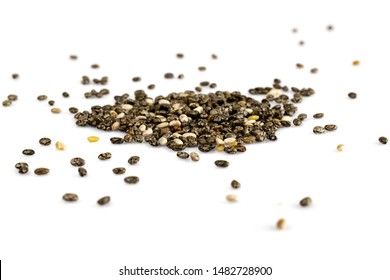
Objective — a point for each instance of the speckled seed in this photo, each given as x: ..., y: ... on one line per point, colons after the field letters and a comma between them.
x: 235, y: 184
x: 28, y: 152
x: 302, y: 116
x: 93, y: 139
x: 352, y: 95
x: 12, y: 97
x: 281, y: 224
x: 194, y: 156
x: 305, y: 202
x: 22, y: 167
x: 82, y: 171
x: 7, y: 103
x: 330, y: 127
x: 73, y: 110
x: 297, y: 122
x: 42, y: 97
x: 45, y: 141
x: 318, y: 115
x: 318, y: 129
x: 183, y: 155
x: 221, y: 163
x: 60, y: 146
x: 104, y: 200
x: 119, y: 170
x: 231, y: 197
x: 383, y: 140
x: 41, y: 171
x: 104, y: 156
x: 51, y: 102
x: 133, y: 160
x: 55, y: 110
x: 340, y: 147
x: 131, y: 179
x: 70, y: 197
x: 77, y: 161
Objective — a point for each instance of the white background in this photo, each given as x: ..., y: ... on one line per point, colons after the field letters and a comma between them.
x: 177, y: 214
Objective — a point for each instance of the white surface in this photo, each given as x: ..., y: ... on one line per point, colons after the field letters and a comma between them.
x: 177, y: 213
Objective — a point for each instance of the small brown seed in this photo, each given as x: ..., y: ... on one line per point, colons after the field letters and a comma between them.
x: 73, y: 57
x: 301, y: 43
x: 179, y: 55
x: 382, y: 140
x: 51, y: 102
x: 55, y: 110
x: 221, y: 163
x: 183, y: 155
x: 28, y: 152
x: 305, y: 202
x: 95, y: 66
x: 104, y: 200
x: 318, y: 115
x: 119, y: 170
x: 151, y: 86
x: 340, y: 147
x: 73, y: 110
x: 213, y: 85
x: 45, y: 141
x: 318, y: 129
x: 302, y: 116
x: 22, y: 167
x: 299, y: 65
x: 297, y: 122
x: 214, y: 56
x: 330, y: 127
x: 136, y: 79
x: 356, y: 63
x: 77, y: 161
x: 180, y: 76
x: 231, y: 198
x: 104, y: 156
x: 235, y: 184
x: 41, y: 171
x: 194, y: 156
x: 314, y: 70
x: 42, y: 97
x: 82, y: 171
x: 131, y: 179
x: 281, y: 224
x: 352, y: 95
x: 204, y: 83
x: 15, y: 76
x: 7, y: 103
x: 12, y: 97
x: 65, y: 94
x: 133, y: 160
x: 70, y: 197
x: 168, y: 76
x: 202, y: 68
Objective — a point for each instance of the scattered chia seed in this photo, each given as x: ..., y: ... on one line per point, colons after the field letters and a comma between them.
x: 221, y: 163
x: 382, y: 140
x: 305, y: 202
